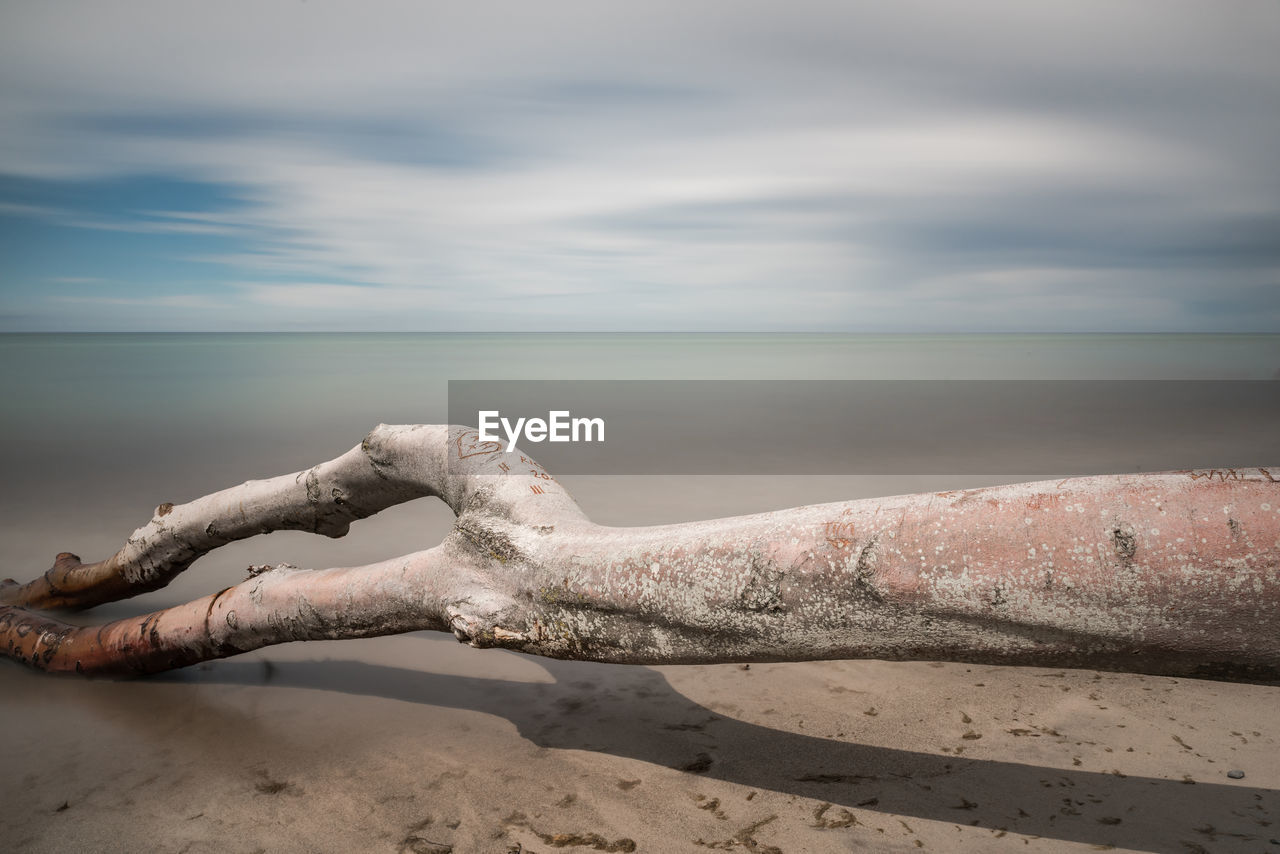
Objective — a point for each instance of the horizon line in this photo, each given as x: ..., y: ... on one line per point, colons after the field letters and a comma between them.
x: 617, y: 332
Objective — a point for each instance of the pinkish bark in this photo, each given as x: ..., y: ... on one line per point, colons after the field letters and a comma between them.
x: 1174, y: 573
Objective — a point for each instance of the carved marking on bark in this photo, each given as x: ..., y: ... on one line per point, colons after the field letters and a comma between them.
x: 1227, y: 474
x: 840, y: 532
x: 470, y: 445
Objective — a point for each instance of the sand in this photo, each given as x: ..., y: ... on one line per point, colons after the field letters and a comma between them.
x: 418, y: 744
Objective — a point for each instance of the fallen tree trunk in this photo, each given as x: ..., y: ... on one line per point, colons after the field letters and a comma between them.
x: 1175, y: 573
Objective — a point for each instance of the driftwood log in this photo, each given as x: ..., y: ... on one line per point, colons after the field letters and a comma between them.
x: 1175, y: 573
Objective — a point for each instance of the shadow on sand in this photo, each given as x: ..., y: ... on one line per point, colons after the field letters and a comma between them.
x: 634, y: 712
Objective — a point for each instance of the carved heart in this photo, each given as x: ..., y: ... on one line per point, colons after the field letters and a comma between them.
x: 470, y: 445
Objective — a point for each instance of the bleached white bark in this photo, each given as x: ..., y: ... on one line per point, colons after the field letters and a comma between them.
x: 1174, y: 573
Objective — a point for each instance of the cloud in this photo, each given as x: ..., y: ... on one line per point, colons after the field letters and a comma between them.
x: 999, y: 165
x: 326, y: 297
x: 160, y: 301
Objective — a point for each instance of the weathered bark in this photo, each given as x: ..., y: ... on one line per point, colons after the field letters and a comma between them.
x: 392, y: 465
x: 1175, y: 573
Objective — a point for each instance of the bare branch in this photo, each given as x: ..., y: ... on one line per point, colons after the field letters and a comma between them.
x: 283, y: 604
x: 390, y: 466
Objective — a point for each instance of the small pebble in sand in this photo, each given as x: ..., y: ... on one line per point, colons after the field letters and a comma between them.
x: 1236, y: 775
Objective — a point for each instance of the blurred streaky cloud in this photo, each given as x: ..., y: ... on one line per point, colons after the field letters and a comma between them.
x: 917, y: 166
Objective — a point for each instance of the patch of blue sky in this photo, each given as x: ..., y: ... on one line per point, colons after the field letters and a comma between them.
x: 117, y: 197
x: 142, y: 234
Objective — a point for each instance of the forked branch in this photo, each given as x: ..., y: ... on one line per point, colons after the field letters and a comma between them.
x: 1173, y: 573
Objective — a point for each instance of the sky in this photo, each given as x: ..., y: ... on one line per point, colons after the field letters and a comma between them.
x: 719, y: 166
